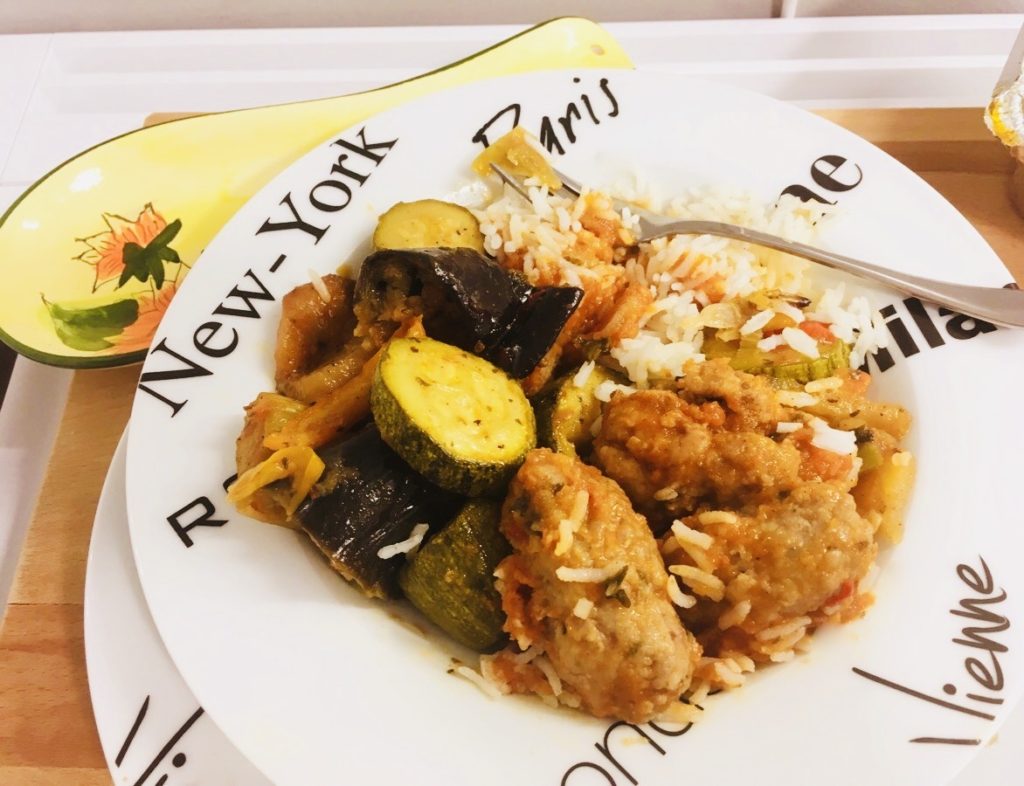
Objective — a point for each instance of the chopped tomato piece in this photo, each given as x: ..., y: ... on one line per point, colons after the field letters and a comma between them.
x: 819, y: 331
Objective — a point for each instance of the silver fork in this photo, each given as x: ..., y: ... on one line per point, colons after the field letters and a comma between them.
x: 1001, y: 306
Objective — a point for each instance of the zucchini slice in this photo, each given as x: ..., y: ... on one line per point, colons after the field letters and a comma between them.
x: 566, y: 413
x: 368, y: 498
x: 784, y: 365
x: 428, y: 223
x: 455, y: 418
x: 451, y: 578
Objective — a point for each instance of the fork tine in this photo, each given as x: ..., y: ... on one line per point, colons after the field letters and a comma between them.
x: 568, y: 184
x: 508, y: 179
x: 570, y: 189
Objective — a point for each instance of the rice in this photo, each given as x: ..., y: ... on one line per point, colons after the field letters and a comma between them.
x: 783, y: 629
x: 318, y: 284
x: 700, y: 581
x: 696, y: 280
x: 404, y: 546
x: 549, y: 673
x: 477, y: 679
x: 586, y: 575
x: 801, y: 342
x: 710, y: 517
x: 666, y: 494
x: 756, y: 322
x: 680, y: 712
x: 567, y: 528
x: 677, y: 596
x: 823, y: 385
x: 581, y: 376
x: 583, y: 608
x: 734, y: 616
x: 788, y: 426
x: 688, y: 536
x: 795, y: 398
x: 604, y: 391
x: 833, y: 439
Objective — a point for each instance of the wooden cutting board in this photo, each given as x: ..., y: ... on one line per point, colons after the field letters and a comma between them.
x: 47, y: 732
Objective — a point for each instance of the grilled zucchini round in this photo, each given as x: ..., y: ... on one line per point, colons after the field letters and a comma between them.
x: 428, y: 223
x: 458, y: 420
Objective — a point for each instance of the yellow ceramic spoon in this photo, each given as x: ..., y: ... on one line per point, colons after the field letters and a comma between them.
x: 91, y: 254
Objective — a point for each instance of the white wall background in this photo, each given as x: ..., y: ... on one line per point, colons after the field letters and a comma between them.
x: 47, y: 16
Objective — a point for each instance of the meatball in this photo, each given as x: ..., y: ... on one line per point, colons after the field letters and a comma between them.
x: 614, y: 640
x: 788, y: 558
x: 672, y: 456
x: 749, y: 400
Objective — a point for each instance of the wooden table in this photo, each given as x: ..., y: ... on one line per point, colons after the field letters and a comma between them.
x: 47, y: 732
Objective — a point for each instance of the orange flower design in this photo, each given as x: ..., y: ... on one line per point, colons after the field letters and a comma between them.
x: 105, y: 250
x: 139, y: 334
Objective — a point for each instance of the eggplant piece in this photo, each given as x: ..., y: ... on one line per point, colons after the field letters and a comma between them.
x: 368, y: 498
x: 534, y: 329
x: 469, y: 301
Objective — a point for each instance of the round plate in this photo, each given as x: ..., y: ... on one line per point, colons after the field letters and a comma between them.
x: 314, y: 683
x: 140, y: 701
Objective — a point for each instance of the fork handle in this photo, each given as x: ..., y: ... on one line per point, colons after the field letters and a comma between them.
x: 1001, y: 306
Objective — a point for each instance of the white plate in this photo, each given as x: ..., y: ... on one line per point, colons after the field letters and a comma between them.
x: 150, y: 724
x: 315, y: 684
x: 129, y: 669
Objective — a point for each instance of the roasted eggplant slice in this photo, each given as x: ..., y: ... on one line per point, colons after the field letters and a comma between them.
x: 368, y: 498
x: 469, y: 301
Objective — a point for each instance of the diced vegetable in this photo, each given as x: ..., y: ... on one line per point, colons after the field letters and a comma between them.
x: 883, y: 492
x: 300, y: 466
x: 428, y: 223
x: 310, y: 335
x: 368, y: 498
x: 469, y: 301
x: 783, y: 364
x: 454, y: 417
x: 566, y: 413
x: 514, y: 153
x: 342, y: 409
x: 451, y: 578
x: 266, y: 415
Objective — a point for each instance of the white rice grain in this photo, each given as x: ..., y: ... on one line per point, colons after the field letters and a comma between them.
x: 549, y: 673
x: 700, y: 581
x: 756, y: 322
x: 318, y: 284
x: 788, y: 426
x: 795, y: 398
x: 801, y: 342
x: 405, y: 546
x: 581, y: 377
x: 710, y: 517
x: 783, y: 629
x: 833, y: 439
x: 823, y: 385
x: 487, y: 687
x: 677, y: 596
x: 687, y: 535
x: 586, y: 575
x: 583, y: 608
x: 734, y: 616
